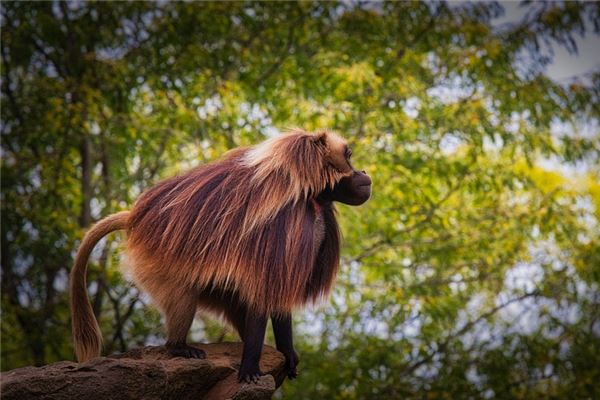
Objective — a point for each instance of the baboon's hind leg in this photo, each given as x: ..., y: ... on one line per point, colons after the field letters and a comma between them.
x: 179, y: 311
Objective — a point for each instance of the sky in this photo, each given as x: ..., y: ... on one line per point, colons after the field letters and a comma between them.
x: 565, y: 65
x: 563, y: 69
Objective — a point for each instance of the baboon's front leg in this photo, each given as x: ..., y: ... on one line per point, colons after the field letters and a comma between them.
x: 254, y: 336
x: 282, y: 329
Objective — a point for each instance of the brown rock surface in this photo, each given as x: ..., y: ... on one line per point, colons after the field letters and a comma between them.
x: 147, y: 373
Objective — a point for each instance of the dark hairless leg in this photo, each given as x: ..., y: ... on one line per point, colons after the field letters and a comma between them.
x: 282, y: 328
x: 254, y: 336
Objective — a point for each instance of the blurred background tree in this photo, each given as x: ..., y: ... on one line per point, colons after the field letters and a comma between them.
x: 472, y: 272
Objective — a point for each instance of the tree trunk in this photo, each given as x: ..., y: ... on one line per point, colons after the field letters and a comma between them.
x: 85, y: 217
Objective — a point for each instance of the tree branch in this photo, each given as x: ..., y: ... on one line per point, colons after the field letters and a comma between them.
x: 442, y: 346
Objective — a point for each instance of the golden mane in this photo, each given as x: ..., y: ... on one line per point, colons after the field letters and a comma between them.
x: 290, y: 168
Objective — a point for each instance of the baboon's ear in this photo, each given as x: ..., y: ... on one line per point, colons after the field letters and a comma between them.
x: 320, y: 138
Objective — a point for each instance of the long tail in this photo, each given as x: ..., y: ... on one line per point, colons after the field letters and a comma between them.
x: 86, y: 332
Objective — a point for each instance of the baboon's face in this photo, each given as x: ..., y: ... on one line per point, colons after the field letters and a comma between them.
x: 354, y: 189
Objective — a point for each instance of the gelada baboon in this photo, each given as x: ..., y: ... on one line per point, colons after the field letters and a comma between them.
x: 248, y: 237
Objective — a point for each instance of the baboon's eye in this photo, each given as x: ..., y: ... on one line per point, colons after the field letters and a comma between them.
x: 348, y: 153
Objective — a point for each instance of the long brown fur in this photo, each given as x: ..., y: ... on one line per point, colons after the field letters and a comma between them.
x: 237, y: 232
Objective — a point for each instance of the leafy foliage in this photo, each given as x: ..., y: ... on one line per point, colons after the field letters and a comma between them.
x: 473, y: 270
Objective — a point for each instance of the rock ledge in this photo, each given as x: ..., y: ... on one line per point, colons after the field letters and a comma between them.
x: 147, y: 373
